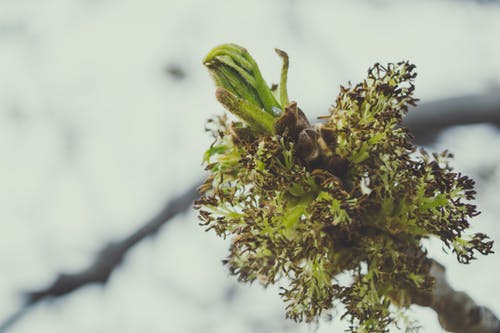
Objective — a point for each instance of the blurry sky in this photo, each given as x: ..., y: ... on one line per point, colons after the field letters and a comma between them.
x: 96, y: 134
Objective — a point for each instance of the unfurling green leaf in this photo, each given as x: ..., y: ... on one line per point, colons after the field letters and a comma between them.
x: 233, y: 69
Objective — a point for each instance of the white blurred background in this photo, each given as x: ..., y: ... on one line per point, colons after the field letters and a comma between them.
x: 102, y: 111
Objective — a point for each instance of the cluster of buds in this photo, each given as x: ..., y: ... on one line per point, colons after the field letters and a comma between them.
x: 351, y: 196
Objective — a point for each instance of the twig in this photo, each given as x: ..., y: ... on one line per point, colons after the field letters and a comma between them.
x: 13, y: 318
x: 428, y: 119
x: 107, y: 259
x: 112, y: 254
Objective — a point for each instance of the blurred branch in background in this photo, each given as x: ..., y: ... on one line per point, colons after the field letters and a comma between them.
x: 107, y: 259
x: 429, y: 119
x: 456, y: 310
x: 112, y: 254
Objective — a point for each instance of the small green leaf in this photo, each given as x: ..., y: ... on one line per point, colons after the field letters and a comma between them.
x: 212, y: 151
x: 255, y: 117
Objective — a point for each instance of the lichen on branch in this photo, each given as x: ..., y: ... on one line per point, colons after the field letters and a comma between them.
x: 351, y: 196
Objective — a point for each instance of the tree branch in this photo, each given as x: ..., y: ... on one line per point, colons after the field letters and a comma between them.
x: 112, y: 254
x: 107, y: 259
x: 457, y: 312
x: 428, y: 119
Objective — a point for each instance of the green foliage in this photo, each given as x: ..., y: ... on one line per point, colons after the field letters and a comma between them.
x: 351, y: 196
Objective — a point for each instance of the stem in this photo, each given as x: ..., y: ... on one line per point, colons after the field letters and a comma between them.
x: 283, y: 80
x: 256, y: 118
x: 457, y: 312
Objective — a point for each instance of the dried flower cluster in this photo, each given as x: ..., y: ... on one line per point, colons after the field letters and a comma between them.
x: 348, y: 197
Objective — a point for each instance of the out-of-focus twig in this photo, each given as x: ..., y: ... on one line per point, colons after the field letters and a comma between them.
x: 112, y: 254
x: 432, y: 117
x: 107, y: 259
